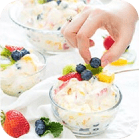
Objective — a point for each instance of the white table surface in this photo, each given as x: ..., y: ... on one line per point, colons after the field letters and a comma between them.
x: 127, y: 82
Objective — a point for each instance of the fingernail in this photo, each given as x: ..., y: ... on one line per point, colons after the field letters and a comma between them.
x: 104, y: 63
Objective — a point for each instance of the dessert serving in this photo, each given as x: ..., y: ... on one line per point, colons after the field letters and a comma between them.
x: 85, y: 99
x: 42, y: 21
x: 20, y: 69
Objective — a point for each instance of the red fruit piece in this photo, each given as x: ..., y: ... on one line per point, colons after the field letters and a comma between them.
x: 14, y: 123
x: 13, y: 48
x: 70, y: 75
x: 61, y: 86
x: 108, y: 42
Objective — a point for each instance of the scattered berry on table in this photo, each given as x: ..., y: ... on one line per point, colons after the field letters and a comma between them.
x: 70, y: 75
x: 16, y: 55
x: 95, y: 62
x: 86, y: 75
x: 39, y: 122
x: 80, y: 68
x: 14, y: 123
x: 40, y: 127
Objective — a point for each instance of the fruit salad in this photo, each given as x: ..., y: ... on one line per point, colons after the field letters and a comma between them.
x: 49, y: 15
x: 43, y: 21
x: 127, y: 58
x: 19, y: 69
x: 85, y: 97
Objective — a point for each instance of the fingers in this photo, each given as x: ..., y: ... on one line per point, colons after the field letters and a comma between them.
x: 86, y: 31
x: 118, y: 48
x: 70, y: 30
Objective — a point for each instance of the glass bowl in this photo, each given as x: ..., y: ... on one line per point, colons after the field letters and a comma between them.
x: 86, y: 124
x: 47, y: 41
x: 14, y: 85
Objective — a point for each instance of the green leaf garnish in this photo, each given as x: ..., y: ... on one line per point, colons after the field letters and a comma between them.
x: 55, y: 128
x: 94, y: 70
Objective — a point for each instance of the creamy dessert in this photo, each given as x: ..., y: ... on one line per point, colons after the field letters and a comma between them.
x: 49, y: 15
x: 85, y: 98
x: 43, y: 21
x: 19, y: 70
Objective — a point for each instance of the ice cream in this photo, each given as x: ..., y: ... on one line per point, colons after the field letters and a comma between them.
x: 19, y: 74
x: 86, y: 96
x: 86, y: 104
x: 44, y: 21
x: 51, y: 15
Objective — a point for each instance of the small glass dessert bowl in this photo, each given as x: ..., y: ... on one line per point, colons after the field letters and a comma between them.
x: 20, y: 69
x: 85, y: 112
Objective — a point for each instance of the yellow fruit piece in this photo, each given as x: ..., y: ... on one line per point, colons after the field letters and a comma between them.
x: 106, y: 77
x: 82, y: 93
x: 80, y: 114
x: 27, y: 58
x: 119, y: 62
x: 69, y: 91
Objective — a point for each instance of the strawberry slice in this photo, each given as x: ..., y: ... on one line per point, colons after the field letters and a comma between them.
x: 108, y: 42
x: 70, y: 75
x: 13, y: 48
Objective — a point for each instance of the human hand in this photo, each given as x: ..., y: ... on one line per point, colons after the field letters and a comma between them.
x: 117, y: 17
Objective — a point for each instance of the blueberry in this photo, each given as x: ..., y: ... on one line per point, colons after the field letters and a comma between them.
x: 58, y: 2
x: 39, y: 122
x: 86, y: 75
x: 49, y: 0
x: 58, y: 28
x: 24, y: 52
x: 18, y: 66
x: 80, y: 68
x: 16, y: 55
x: 40, y: 129
x: 127, y: 47
x: 39, y: 17
x: 95, y: 62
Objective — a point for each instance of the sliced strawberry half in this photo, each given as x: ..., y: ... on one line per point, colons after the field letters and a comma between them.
x: 13, y: 48
x: 70, y: 75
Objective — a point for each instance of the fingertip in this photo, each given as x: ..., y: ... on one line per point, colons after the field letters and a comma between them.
x: 85, y: 54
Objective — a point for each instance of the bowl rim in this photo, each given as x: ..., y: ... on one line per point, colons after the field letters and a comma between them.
x: 111, y: 108
x: 10, y: 13
x: 43, y: 68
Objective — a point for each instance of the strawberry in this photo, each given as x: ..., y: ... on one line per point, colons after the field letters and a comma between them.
x: 14, y: 123
x: 70, y: 75
x: 108, y: 42
x: 13, y: 48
